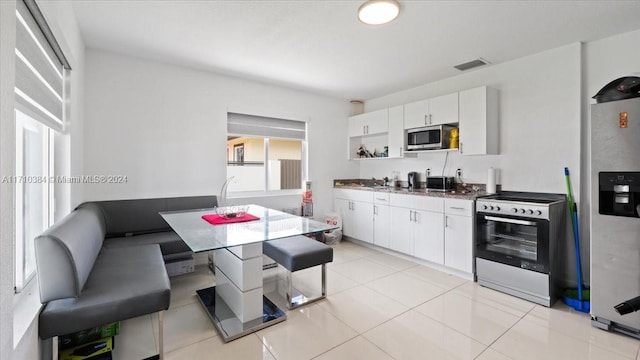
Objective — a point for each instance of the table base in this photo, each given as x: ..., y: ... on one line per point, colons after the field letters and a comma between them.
x: 226, y: 322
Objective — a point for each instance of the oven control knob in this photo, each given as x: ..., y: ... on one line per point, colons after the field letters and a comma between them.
x: 538, y: 212
x: 484, y: 207
x: 530, y: 212
x: 514, y: 210
x: 522, y: 211
x: 491, y: 207
x: 497, y: 208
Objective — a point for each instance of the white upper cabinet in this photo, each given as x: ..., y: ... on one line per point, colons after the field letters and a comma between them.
x: 396, y: 131
x: 443, y: 109
x: 435, y: 111
x: 416, y: 114
x: 371, y: 123
x: 479, y: 121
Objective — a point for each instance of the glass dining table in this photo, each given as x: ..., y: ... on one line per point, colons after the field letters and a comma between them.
x: 236, y: 304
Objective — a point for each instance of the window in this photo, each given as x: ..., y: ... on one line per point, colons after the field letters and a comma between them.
x: 40, y: 93
x: 33, y: 191
x: 265, y: 154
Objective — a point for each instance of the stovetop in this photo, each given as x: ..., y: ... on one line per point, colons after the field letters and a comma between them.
x: 522, y: 204
x: 524, y: 197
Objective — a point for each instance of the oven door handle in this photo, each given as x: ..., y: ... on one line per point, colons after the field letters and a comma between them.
x: 511, y: 221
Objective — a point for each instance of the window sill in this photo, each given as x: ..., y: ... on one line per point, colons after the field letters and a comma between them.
x: 253, y: 194
x: 26, y: 307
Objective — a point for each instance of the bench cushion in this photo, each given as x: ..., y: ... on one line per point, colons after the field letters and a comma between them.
x: 171, y: 244
x: 124, y: 283
x: 298, y: 252
x: 140, y: 216
x: 65, y: 253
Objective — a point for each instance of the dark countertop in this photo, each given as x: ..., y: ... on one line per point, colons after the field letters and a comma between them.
x: 471, y: 195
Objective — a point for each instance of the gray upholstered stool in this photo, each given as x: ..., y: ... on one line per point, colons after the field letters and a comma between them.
x: 297, y: 253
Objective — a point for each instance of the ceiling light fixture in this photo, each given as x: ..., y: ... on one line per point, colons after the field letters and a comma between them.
x: 378, y: 12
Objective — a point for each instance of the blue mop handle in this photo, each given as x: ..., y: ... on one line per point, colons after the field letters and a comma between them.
x: 576, y: 237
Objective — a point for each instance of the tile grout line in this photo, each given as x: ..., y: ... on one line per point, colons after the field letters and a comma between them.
x: 506, y: 331
x: 264, y: 345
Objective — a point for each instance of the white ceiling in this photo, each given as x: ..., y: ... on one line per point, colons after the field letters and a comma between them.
x: 320, y: 46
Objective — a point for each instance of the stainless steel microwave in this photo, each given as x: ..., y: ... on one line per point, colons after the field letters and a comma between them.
x: 429, y: 137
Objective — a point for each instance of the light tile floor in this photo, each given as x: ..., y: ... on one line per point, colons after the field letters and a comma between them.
x: 379, y: 306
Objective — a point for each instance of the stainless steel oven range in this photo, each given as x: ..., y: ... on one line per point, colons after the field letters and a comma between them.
x: 517, y: 237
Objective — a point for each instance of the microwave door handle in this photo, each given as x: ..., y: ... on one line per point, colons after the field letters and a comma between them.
x: 510, y: 221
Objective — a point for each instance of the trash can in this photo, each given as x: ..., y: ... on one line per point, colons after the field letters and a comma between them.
x: 332, y: 237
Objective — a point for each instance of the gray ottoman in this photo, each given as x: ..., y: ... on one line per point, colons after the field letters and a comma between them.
x: 297, y: 253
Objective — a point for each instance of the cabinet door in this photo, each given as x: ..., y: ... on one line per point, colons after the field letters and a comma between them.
x: 396, y: 131
x: 355, y: 125
x: 362, y: 219
x: 381, y: 225
x: 377, y: 122
x: 416, y: 114
x: 443, y: 109
x: 458, y: 243
x: 479, y: 121
x: 343, y: 207
x: 428, y: 236
x: 402, y: 230
x: 473, y: 129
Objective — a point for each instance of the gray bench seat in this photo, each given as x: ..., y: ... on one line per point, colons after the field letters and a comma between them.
x: 124, y: 283
x: 298, y: 253
x: 171, y: 244
x: 105, y: 262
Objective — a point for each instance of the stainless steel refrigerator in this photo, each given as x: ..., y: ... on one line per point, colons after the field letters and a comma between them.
x: 615, y: 219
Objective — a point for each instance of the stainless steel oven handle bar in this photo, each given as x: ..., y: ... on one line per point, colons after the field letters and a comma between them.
x: 512, y: 221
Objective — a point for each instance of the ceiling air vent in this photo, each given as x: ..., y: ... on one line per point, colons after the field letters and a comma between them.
x: 471, y: 64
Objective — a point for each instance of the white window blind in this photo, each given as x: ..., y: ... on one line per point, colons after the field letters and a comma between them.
x: 250, y: 125
x: 41, y: 94
x: 40, y: 67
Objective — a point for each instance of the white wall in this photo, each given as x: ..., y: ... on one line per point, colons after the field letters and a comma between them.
x: 164, y: 127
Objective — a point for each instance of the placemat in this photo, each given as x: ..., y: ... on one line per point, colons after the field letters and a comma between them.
x: 216, y: 219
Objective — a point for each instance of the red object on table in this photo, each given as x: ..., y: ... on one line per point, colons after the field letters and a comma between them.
x: 216, y: 219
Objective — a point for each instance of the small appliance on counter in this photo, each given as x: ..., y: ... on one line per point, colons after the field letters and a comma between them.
x: 441, y: 183
x: 412, y: 180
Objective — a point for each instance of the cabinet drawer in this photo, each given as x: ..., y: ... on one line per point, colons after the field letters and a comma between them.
x: 355, y: 195
x: 429, y: 203
x: 458, y: 207
x: 401, y: 200
x: 381, y: 198
x: 418, y: 202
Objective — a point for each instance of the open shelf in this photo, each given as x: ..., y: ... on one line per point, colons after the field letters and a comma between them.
x: 429, y: 151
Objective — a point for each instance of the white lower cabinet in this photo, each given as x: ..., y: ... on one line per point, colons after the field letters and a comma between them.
x: 356, y: 209
x: 381, y: 220
x: 439, y: 230
x: 416, y: 226
x: 429, y: 244
x: 362, y: 221
x: 402, y: 230
x: 458, y: 234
